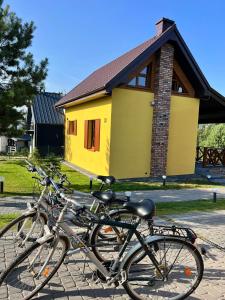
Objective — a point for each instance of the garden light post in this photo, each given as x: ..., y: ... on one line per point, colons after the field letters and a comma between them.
x: 214, y: 193
x: 1, y: 184
x: 209, y: 177
x: 91, y: 183
x: 164, y: 180
x: 214, y: 197
x: 128, y: 195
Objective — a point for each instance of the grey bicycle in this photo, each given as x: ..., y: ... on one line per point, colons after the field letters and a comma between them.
x: 169, y: 268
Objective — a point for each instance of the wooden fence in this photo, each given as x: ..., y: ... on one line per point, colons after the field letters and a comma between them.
x: 210, y: 156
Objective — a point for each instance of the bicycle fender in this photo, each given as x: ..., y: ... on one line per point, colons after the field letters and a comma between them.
x: 29, y: 211
x: 45, y: 238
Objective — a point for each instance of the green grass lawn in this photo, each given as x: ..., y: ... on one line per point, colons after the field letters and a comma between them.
x: 168, y: 208
x: 18, y: 181
x: 6, y: 218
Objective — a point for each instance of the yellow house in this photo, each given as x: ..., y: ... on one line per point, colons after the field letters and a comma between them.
x: 138, y: 115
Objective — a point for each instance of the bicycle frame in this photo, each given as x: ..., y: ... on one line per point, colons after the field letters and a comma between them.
x: 79, y: 243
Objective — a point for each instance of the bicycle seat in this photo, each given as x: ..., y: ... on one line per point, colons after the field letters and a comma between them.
x: 144, y: 208
x: 107, y: 179
x: 105, y: 196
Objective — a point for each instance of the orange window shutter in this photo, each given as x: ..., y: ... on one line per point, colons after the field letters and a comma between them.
x: 75, y: 127
x: 72, y: 127
x: 97, y: 134
x: 86, y: 134
x: 68, y: 127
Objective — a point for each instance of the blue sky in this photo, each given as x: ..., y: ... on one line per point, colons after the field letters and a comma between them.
x: 79, y: 36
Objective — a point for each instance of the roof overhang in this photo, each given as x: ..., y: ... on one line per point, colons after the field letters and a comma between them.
x: 97, y: 95
x: 185, y: 59
x: 182, y: 54
x: 213, y: 110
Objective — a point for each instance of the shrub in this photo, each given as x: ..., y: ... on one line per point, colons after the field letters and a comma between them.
x: 35, y: 157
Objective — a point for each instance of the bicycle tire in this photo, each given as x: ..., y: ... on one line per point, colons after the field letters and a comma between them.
x: 25, y: 270
x: 191, y: 267
x: 11, y: 242
x: 96, y: 234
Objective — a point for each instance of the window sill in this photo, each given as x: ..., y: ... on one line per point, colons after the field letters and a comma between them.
x: 92, y: 149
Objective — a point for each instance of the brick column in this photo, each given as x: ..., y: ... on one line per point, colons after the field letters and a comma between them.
x: 161, y: 110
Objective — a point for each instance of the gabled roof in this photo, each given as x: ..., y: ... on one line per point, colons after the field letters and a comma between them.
x: 97, y: 80
x: 117, y: 72
x: 44, y: 111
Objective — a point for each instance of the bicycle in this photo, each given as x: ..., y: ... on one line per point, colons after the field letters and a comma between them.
x: 170, y: 268
x: 25, y: 229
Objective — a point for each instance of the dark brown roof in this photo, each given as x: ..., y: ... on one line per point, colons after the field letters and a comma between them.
x: 117, y: 72
x: 98, y: 79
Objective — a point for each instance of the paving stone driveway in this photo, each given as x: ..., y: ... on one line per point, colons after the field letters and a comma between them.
x: 71, y: 285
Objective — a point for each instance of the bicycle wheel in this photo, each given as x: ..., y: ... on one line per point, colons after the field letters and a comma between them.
x: 33, y: 269
x: 106, y: 241
x: 13, y: 235
x: 179, y: 262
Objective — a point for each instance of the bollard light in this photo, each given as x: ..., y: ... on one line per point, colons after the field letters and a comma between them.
x: 128, y: 195
x: 209, y: 177
x: 214, y: 197
x: 91, y: 183
x: 164, y: 180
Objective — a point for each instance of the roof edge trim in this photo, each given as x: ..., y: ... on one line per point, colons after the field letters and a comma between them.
x: 100, y: 94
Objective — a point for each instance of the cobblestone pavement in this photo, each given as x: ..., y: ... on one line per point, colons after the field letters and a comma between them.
x: 70, y: 284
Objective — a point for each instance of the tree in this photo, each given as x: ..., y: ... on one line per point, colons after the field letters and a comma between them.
x: 212, y: 135
x: 20, y: 77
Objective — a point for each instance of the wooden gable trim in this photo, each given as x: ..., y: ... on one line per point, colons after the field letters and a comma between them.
x: 184, y: 80
x: 146, y: 63
x: 172, y: 36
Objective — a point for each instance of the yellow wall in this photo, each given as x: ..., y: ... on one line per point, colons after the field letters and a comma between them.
x: 131, y: 132
x: 126, y: 134
x: 96, y: 162
x: 182, y: 135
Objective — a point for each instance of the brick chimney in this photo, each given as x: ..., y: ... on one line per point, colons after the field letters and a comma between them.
x: 162, y: 25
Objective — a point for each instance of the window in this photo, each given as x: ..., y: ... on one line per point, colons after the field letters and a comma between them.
x: 177, y: 86
x: 142, y: 80
x: 92, y: 135
x: 72, y: 127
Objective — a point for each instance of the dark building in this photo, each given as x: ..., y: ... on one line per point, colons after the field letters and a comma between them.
x: 46, y: 124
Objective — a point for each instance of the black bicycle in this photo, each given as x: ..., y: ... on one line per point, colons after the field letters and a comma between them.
x: 157, y: 267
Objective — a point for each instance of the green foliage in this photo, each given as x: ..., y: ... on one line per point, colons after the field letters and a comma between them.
x: 212, y: 135
x: 35, y: 157
x: 23, y: 152
x: 20, y: 77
